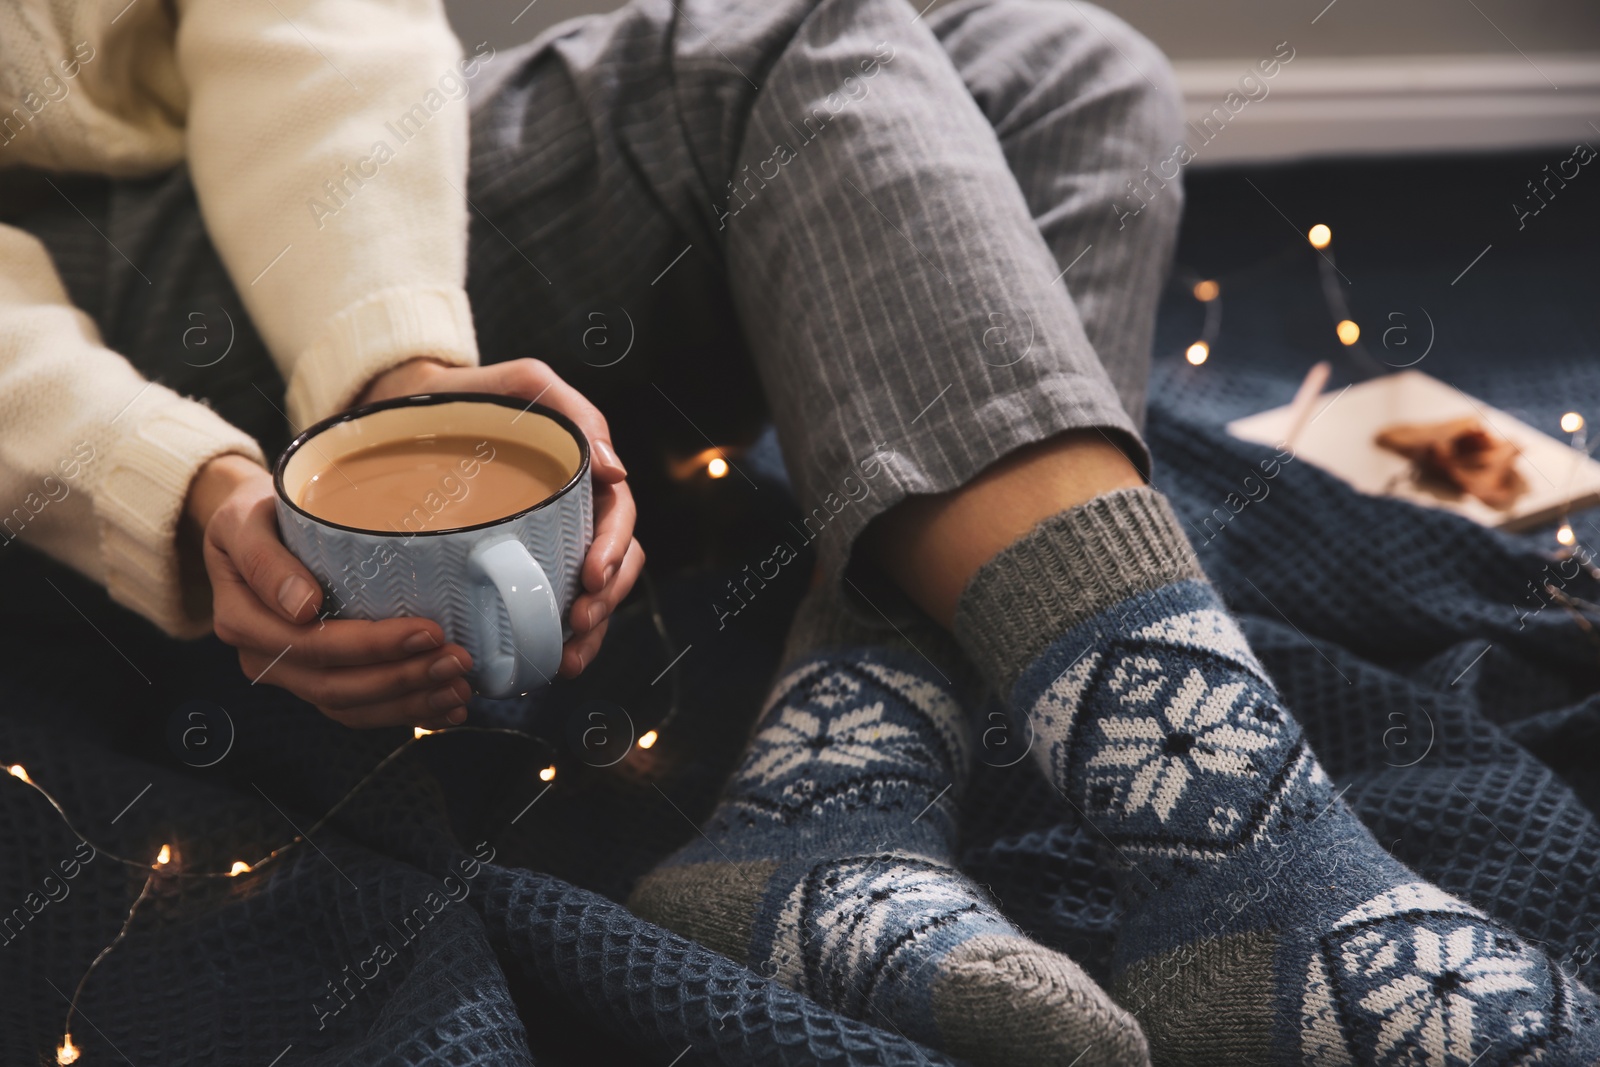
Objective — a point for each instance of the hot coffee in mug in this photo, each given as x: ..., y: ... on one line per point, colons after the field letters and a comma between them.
x: 471, y: 509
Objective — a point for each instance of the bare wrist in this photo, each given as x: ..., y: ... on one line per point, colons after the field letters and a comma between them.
x: 214, y: 482
x: 400, y: 379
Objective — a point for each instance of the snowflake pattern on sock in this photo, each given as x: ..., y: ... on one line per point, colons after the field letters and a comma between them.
x: 827, y: 740
x: 845, y: 807
x: 1415, y: 976
x: 857, y: 739
x: 1187, y: 751
x: 1239, y: 857
x: 835, y: 921
x: 1175, y: 732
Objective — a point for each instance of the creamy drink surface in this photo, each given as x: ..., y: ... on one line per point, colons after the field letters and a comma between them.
x: 432, y: 482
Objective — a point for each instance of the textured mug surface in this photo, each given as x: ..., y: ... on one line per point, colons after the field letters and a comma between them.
x: 506, y: 606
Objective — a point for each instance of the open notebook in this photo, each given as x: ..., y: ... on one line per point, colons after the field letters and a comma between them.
x: 1339, y: 436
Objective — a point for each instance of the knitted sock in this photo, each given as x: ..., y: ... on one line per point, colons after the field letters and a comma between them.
x: 828, y: 866
x: 1264, y: 924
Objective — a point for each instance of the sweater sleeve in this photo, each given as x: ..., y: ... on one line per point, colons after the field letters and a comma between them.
x: 95, y: 462
x: 328, y: 145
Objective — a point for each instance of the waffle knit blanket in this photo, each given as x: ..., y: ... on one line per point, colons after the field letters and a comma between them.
x: 440, y: 919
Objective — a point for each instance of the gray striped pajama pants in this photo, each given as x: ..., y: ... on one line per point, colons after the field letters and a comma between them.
x: 916, y: 233
x: 908, y: 239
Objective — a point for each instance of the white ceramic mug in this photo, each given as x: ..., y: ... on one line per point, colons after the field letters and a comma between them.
x: 500, y: 589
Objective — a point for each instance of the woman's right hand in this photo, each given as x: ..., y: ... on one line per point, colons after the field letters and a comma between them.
x: 394, y: 672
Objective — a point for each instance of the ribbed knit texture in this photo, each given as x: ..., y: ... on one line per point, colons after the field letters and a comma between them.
x: 1069, y: 567
x: 368, y: 338
x: 583, y: 196
x: 97, y: 461
x: 328, y: 144
x: 1387, y: 618
x: 823, y: 621
x: 138, y: 501
x: 828, y: 864
x: 348, y: 260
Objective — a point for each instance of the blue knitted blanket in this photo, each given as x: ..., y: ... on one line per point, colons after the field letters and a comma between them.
x: 453, y: 913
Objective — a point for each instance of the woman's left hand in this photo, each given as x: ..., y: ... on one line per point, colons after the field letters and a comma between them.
x: 615, y: 558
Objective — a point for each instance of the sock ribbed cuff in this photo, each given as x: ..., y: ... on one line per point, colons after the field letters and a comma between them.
x: 823, y: 622
x: 1071, y: 566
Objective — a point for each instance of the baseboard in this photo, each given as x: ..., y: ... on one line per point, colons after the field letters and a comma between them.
x: 1391, y: 104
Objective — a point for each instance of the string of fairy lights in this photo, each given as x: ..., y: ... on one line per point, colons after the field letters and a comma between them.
x: 713, y: 464
x: 1208, y: 291
x: 165, y: 864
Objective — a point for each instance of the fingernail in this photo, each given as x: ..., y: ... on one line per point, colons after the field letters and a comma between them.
x: 444, y: 700
x: 458, y: 716
x: 420, y: 641
x: 597, y: 614
x: 611, y: 572
x: 446, y: 667
x: 608, y: 457
x: 293, y: 594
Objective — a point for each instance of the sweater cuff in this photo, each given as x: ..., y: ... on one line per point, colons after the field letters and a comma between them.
x: 140, y: 500
x: 373, y: 335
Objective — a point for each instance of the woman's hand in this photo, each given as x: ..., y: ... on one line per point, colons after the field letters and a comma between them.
x: 395, y: 672
x: 615, y: 558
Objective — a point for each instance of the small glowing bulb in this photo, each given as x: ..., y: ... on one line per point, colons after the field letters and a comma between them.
x: 1319, y: 236
x: 548, y: 774
x: 164, y: 856
x: 1197, y: 353
x: 1565, y: 534
x: 68, y: 1052
x: 17, y: 772
x: 648, y: 739
x: 1349, y: 333
x: 1207, y: 291
x: 717, y: 467
x: 420, y: 732
x: 239, y: 867
x: 1572, y: 422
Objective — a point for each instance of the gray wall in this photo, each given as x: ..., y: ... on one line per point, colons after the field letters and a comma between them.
x: 1223, y: 29
x: 508, y: 22
x: 1227, y: 28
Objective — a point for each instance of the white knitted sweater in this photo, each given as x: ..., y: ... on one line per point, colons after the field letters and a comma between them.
x: 327, y: 142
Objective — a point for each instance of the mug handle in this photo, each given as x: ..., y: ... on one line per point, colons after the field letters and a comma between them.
x: 509, y: 570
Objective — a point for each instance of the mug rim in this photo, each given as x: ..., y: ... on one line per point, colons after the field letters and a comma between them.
x: 425, y: 400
